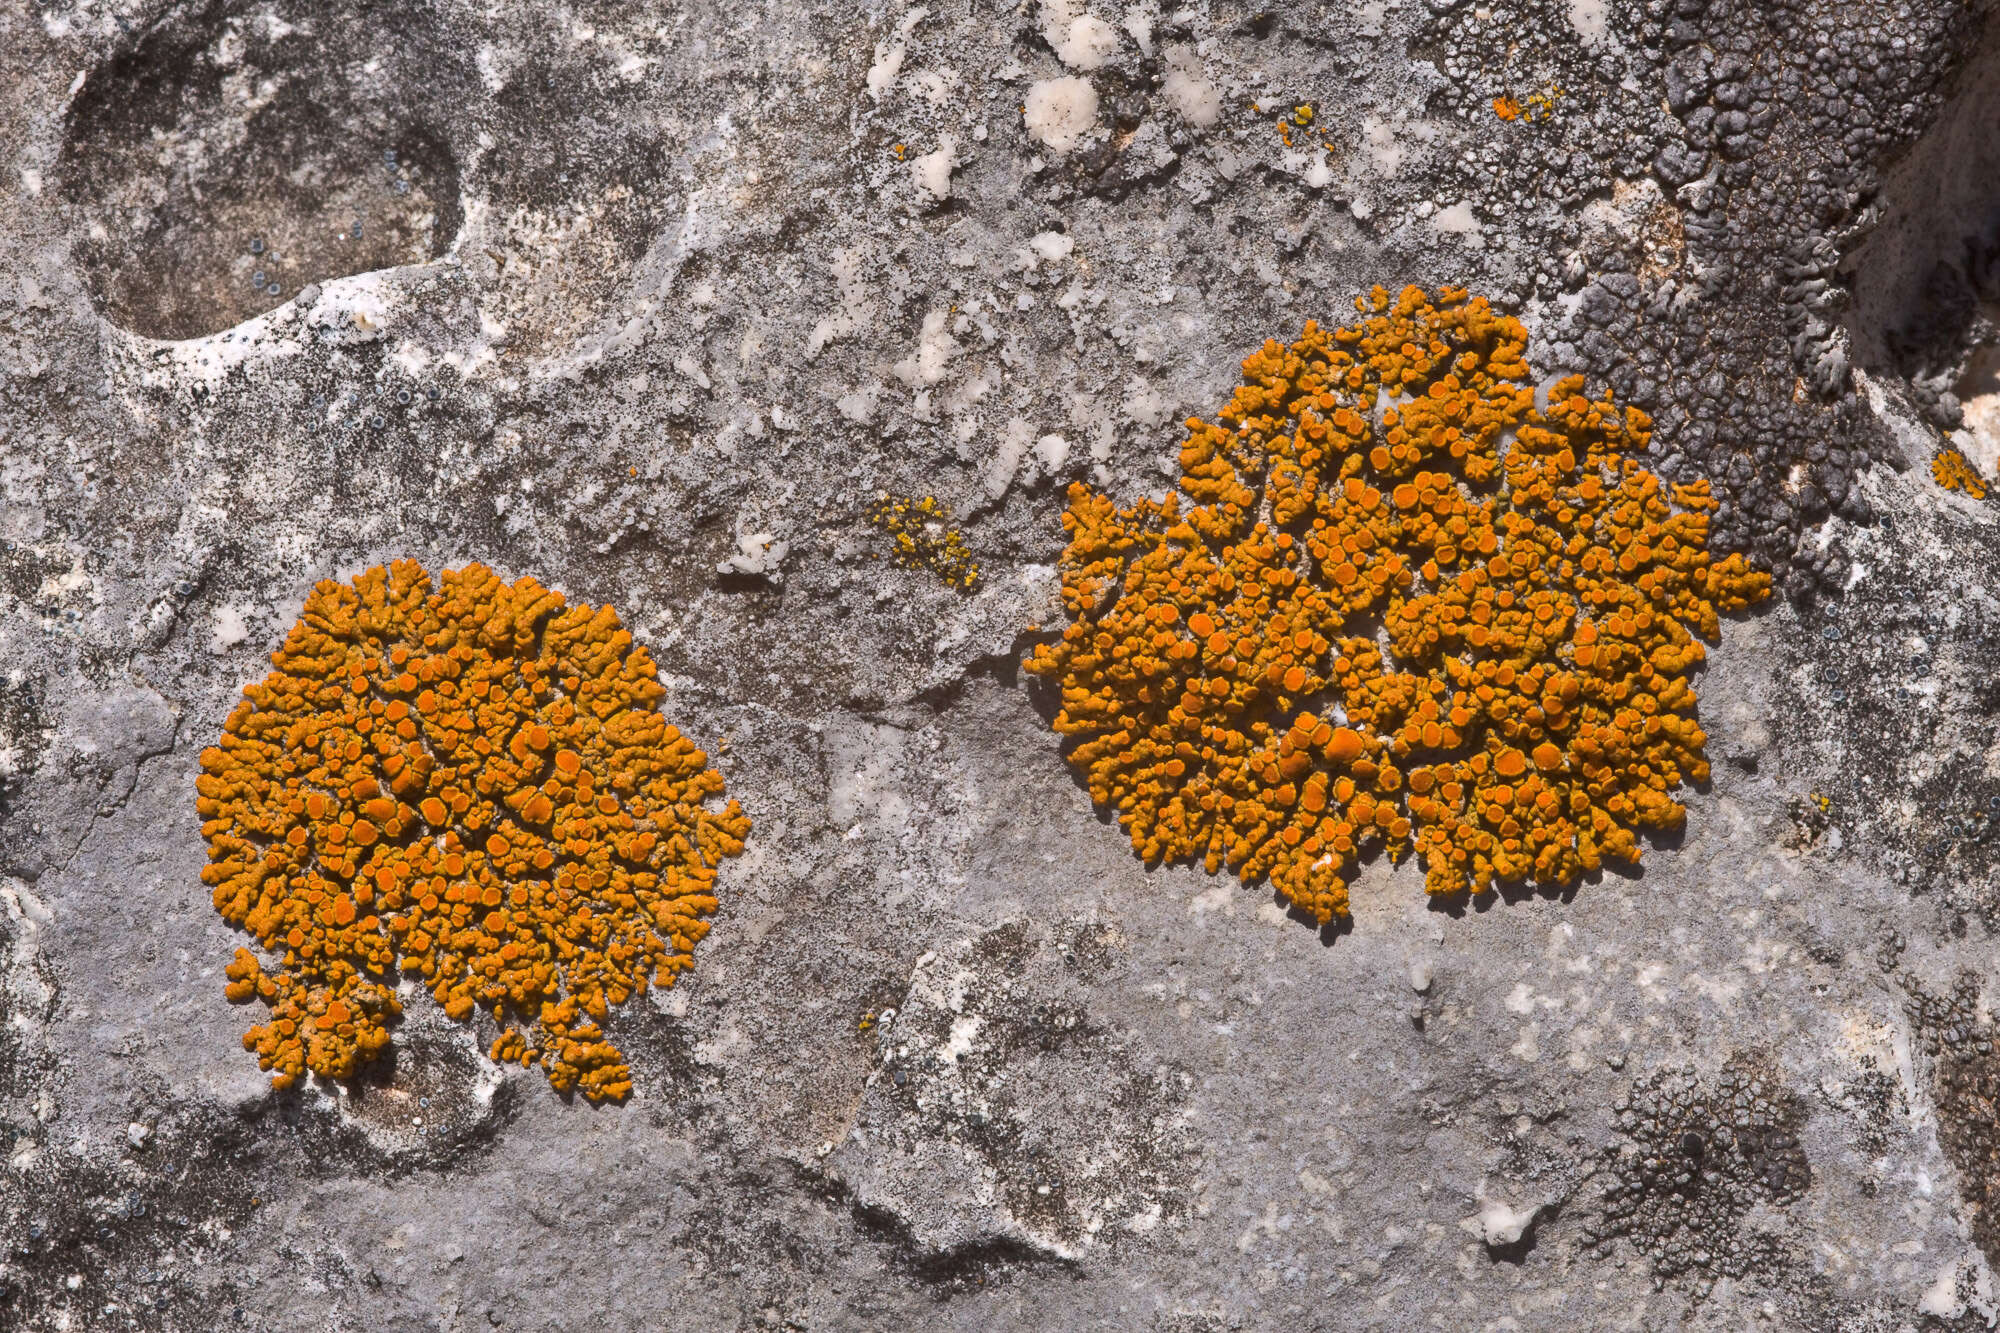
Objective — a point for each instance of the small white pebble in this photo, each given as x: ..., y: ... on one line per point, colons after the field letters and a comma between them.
x: 1501, y: 1225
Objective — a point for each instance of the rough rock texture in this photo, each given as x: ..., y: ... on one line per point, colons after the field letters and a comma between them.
x: 656, y: 302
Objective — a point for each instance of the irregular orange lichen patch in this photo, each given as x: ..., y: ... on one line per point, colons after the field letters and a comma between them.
x: 1954, y: 472
x: 470, y: 785
x: 1534, y: 108
x: 923, y: 538
x: 1524, y: 705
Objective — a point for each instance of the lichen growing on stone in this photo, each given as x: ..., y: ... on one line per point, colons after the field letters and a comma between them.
x: 1953, y: 472
x: 1955, y: 1031
x: 468, y: 784
x: 1394, y: 604
x: 1534, y: 108
x: 1701, y: 1175
x: 922, y: 537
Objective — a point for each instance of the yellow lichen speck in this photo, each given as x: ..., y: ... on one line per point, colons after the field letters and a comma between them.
x: 469, y: 783
x: 1394, y: 604
x: 922, y: 538
x: 1953, y: 472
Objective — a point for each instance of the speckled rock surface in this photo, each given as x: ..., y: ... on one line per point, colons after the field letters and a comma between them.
x: 654, y: 303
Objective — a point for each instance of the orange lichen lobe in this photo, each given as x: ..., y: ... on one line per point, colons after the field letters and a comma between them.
x: 1524, y: 706
x: 1954, y: 472
x: 468, y: 784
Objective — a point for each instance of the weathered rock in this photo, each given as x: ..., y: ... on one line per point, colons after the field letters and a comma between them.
x: 657, y: 302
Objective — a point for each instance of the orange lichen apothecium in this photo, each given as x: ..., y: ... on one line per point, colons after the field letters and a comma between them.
x: 1398, y: 606
x: 470, y: 783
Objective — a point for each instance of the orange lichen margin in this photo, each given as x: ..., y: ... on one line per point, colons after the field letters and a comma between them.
x: 1524, y: 705
x: 1954, y: 472
x: 469, y: 783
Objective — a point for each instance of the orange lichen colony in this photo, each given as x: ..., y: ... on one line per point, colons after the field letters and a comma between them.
x: 1400, y: 605
x: 1952, y: 471
x: 469, y: 783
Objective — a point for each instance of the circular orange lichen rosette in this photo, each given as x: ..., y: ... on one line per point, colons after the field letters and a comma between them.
x: 469, y: 784
x: 1394, y: 604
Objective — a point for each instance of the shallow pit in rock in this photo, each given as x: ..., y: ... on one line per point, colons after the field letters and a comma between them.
x: 232, y: 156
x: 1978, y: 394
x: 1926, y: 280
